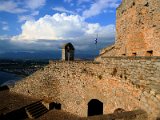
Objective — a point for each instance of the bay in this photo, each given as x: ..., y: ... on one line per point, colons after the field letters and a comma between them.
x: 8, y: 78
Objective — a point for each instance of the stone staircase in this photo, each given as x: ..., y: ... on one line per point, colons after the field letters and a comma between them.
x: 35, y: 110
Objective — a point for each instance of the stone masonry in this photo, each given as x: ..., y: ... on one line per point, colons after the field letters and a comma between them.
x: 119, y: 78
x: 68, y: 52
x: 137, y: 29
x: 117, y: 82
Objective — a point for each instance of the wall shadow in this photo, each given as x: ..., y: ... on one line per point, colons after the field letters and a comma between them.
x: 125, y: 115
x: 19, y: 114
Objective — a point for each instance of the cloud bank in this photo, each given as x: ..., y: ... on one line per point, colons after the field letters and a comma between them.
x: 50, y: 32
x: 63, y: 27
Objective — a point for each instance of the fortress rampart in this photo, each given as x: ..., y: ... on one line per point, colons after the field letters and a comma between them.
x: 140, y: 69
x: 137, y: 29
x: 120, y: 82
x: 125, y: 76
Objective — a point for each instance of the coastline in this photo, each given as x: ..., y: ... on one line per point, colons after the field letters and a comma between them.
x: 8, y: 76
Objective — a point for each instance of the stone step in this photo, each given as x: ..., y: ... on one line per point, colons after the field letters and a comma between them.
x: 40, y: 113
x: 35, y: 110
x: 33, y: 104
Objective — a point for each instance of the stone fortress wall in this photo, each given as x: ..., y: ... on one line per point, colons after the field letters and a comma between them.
x: 125, y: 83
x: 118, y: 77
x: 137, y: 28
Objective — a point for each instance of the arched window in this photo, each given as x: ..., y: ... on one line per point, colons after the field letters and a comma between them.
x: 68, y: 52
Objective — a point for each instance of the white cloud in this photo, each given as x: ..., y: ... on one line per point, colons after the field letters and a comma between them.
x: 30, y: 17
x: 4, y: 37
x: 5, y: 28
x: 62, y: 9
x: 24, y: 18
x: 99, y: 6
x: 68, y: 1
x: 62, y: 27
x: 11, y: 7
x: 34, y: 4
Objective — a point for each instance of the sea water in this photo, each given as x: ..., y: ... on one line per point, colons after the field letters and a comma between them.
x: 8, y: 78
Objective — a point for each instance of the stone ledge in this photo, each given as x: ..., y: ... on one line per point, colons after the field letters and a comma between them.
x: 156, y: 58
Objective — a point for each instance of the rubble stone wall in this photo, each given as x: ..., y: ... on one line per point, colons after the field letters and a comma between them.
x: 74, y: 84
x: 138, y: 26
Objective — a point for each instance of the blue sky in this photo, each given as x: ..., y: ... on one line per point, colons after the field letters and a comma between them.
x: 44, y: 25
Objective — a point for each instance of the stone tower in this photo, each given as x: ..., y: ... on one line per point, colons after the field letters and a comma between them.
x: 68, y: 52
x: 138, y: 28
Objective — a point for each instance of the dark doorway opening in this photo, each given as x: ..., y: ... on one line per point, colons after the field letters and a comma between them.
x: 134, y: 54
x: 149, y: 53
x: 54, y: 105
x: 95, y: 107
x: 58, y: 106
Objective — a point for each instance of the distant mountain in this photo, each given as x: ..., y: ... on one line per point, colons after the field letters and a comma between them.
x: 46, y: 55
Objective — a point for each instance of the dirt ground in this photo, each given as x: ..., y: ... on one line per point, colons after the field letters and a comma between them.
x: 11, y: 102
